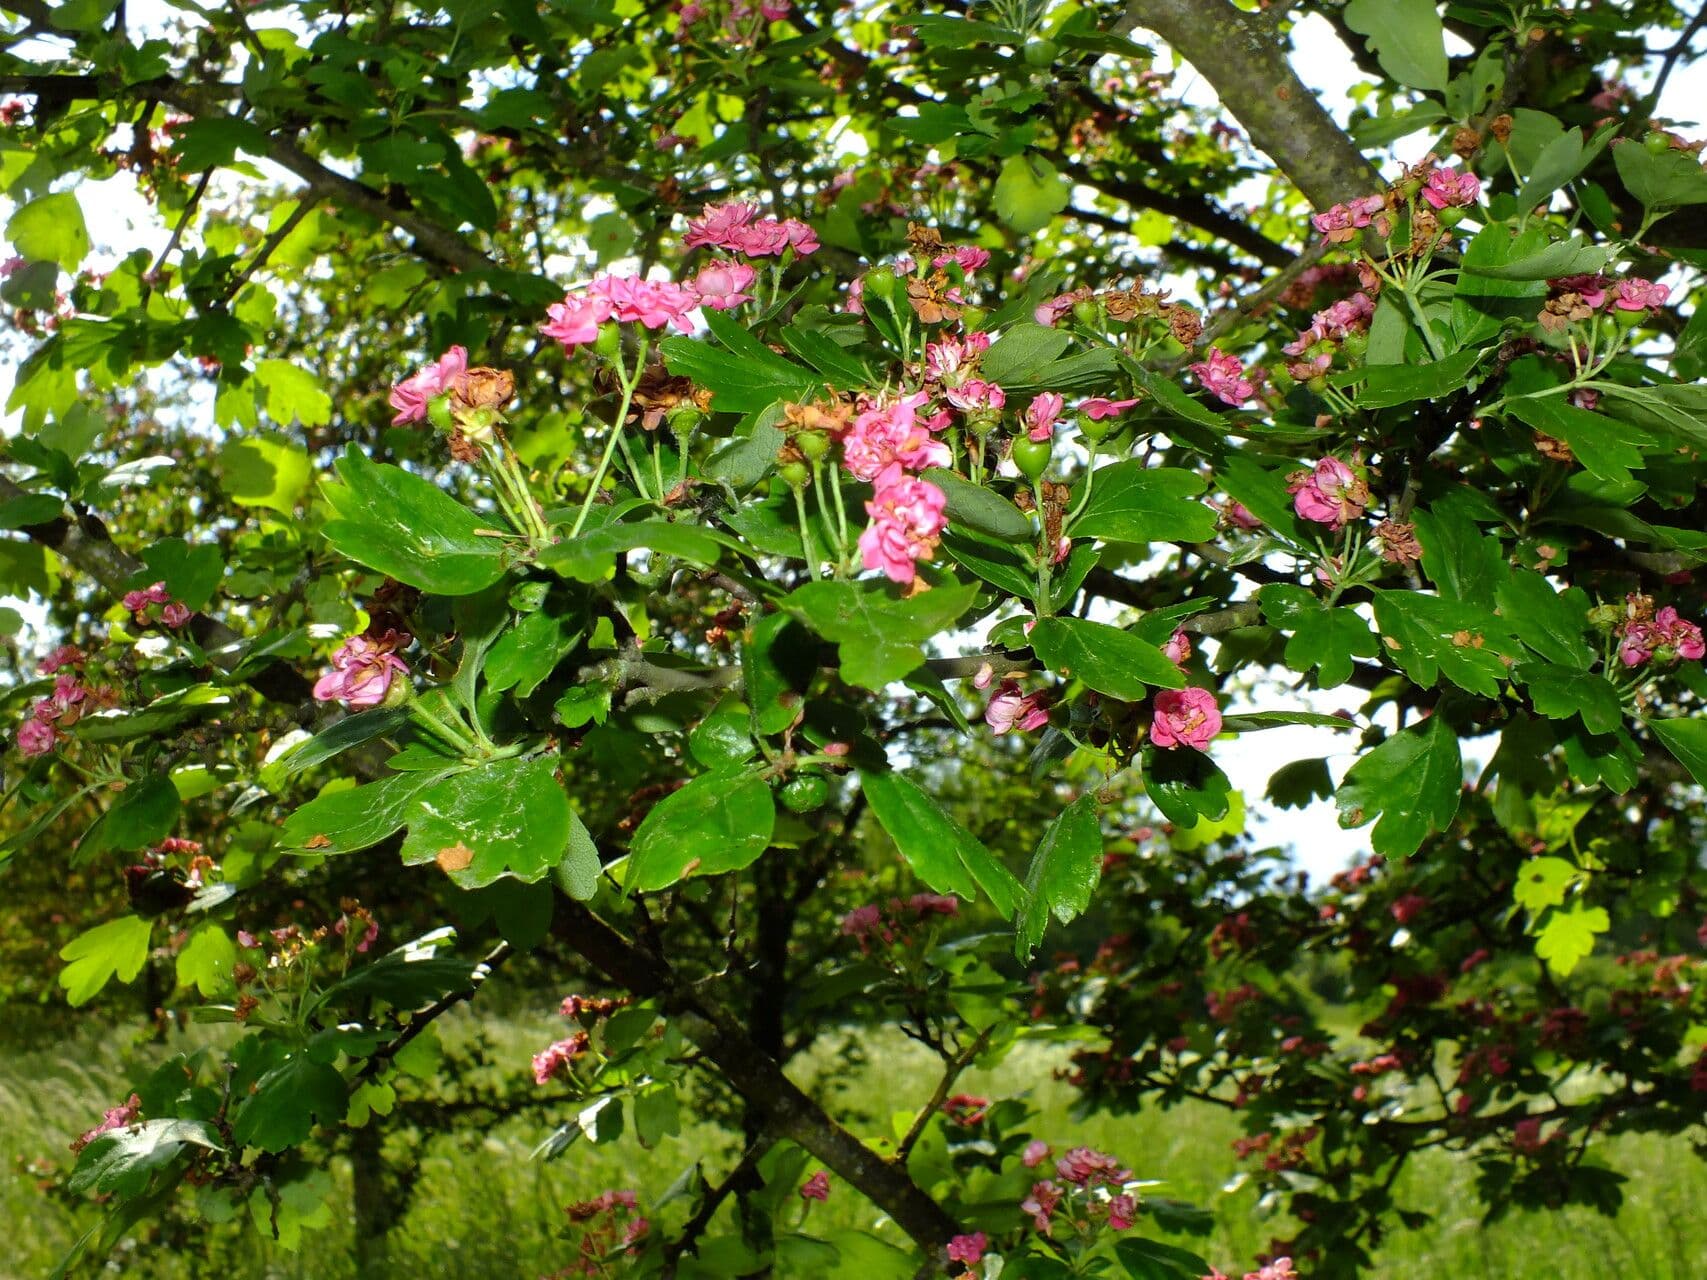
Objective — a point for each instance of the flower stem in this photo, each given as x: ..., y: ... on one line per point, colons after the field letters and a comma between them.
x: 628, y: 386
x: 806, y: 546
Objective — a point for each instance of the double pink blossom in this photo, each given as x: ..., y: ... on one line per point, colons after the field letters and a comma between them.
x: 1042, y: 414
x: 411, y: 396
x: 735, y: 226
x: 653, y: 303
x: 36, y: 737
x: 66, y: 655
x: 1185, y: 718
x: 888, y: 436
x: 1330, y: 493
x: 1341, y: 222
x: 722, y: 285
x: 907, y: 520
x: 575, y: 321
x: 1099, y: 407
x: 817, y: 1187
x: 362, y: 671
x: 1451, y: 188
x: 719, y: 224
x: 1223, y: 375
x: 968, y: 258
x: 1334, y: 322
x: 968, y: 1249
x: 950, y: 354
x: 1641, y: 640
x: 1084, y: 1167
x: 1041, y: 1204
x: 552, y: 1059
x: 976, y: 396
x: 1012, y: 710
x: 1636, y: 294
x: 1590, y: 288
x: 1035, y: 1153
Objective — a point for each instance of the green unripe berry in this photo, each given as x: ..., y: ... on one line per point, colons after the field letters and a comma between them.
x: 1657, y: 143
x: 794, y: 474
x: 814, y: 444
x: 1355, y: 343
x: 1041, y: 54
x: 1088, y: 312
x: 1628, y: 319
x: 1450, y: 216
x: 1318, y: 384
x: 1095, y: 429
x: 805, y: 793
x: 1031, y: 457
x: 438, y: 413
x: 609, y: 342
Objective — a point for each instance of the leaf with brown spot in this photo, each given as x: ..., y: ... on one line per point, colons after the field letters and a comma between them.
x: 456, y: 857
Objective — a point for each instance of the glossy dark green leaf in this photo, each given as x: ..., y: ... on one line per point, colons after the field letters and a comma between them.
x: 1134, y: 503
x: 1665, y: 181
x: 1300, y: 783
x: 716, y: 823
x: 1324, y: 639
x: 123, y: 1161
x: 980, y: 508
x: 281, y: 1109
x: 1685, y: 738
x: 503, y: 818
x: 1187, y: 786
x: 941, y: 852
x: 1462, y: 561
x: 1390, y: 384
x: 409, y: 528
x: 1105, y: 658
x: 1064, y: 872
x: 878, y: 634
x: 528, y: 652
x: 140, y: 815
x: 351, y: 731
x: 577, y: 874
x: 591, y: 555
x: 1410, y: 786
x: 1152, y: 1260
x: 1552, y: 623
x: 1022, y: 352
x: 1427, y: 637
x: 1562, y: 692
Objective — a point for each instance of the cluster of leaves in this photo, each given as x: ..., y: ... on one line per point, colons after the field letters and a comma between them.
x: 622, y: 690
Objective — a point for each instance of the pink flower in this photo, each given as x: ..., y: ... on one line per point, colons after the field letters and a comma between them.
x: 817, y: 1187
x: 120, y: 1117
x: 1097, y: 408
x: 653, y: 303
x: 968, y: 258
x: 933, y: 904
x: 968, y: 1249
x: 906, y: 521
x: 1040, y: 1204
x: 950, y: 354
x: 551, y: 1060
x: 174, y: 614
x: 1185, y: 717
x: 1407, y: 907
x: 575, y: 321
x: 1591, y: 289
x: 722, y: 285
x: 1340, y: 223
x: 1239, y: 515
x: 410, y: 396
x: 1122, y: 1212
x: 976, y: 396
x: 1333, y: 323
x: 770, y: 237
x: 1042, y: 414
x: 1329, y: 493
x: 1178, y: 648
x: 775, y: 10
x: 1279, y: 1269
x: 36, y: 737
x: 138, y: 601
x: 1223, y: 375
x: 1035, y: 1153
x: 1638, y: 295
x: 1084, y: 1167
x: 1049, y: 313
x: 1451, y: 187
x: 362, y: 671
x: 718, y: 224
x: 67, y: 655
x: 1013, y: 711
x: 889, y: 437
x: 1675, y: 633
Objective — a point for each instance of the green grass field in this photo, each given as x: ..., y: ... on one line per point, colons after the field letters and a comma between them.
x: 483, y: 1209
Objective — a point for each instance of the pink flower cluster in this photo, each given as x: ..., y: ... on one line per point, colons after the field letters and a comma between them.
x: 119, y: 1117
x: 735, y: 226
x: 1329, y: 493
x: 950, y: 355
x: 1642, y: 640
x: 1185, y: 718
x: 552, y: 1059
x: 1331, y: 324
x: 1342, y: 222
x: 1223, y: 376
x: 411, y: 396
x: 1012, y: 710
x: 598, y: 1220
x: 1632, y: 294
x: 142, y: 603
x: 51, y: 716
x: 873, y: 925
x: 888, y: 441
x: 362, y: 670
x: 968, y: 1249
x: 1080, y: 1169
x: 1451, y: 188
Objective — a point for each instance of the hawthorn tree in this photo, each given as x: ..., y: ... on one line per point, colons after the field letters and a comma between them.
x: 722, y: 506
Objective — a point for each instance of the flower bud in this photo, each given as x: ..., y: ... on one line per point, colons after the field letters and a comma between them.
x: 609, y: 342
x: 438, y: 413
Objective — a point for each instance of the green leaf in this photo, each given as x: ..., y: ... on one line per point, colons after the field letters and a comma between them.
x: 206, y: 959
x: 1460, y: 560
x: 351, y: 731
x: 1134, y: 503
x: 1665, y: 181
x: 941, y: 852
x: 1427, y: 637
x: 716, y: 823
x: 1187, y: 786
x: 878, y: 636
x: 1390, y: 384
x: 503, y: 818
x: 1407, y: 37
x: 996, y: 565
x: 1022, y: 352
x: 1152, y: 1260
x: 1562, y: 692
x: 528, y: 652
x: 1543, y: 883
x: 1605, y: 447
x: 1609, y: 758
x: 1063, y: 875
x: 30, y: 508
x: 721, y: 738
x: 776, y: 672
x: 264, y: 471
x: 578, y: 873
x: 1571, y: 257
x: 280, y: 1110
x: 1323, y: 638
x: 1685, y: 738
x: 1550, y: 622
x: 980, y: 508
x: 1414, y: 781
x: 591, y: 555
x: 1029, y: 192
x: 116, y: 948
x: 408, y: 528
x: 191, y: 573
x: 50, y: 229
x: 1676, y: 408
x: 142, y: 815
x: 293, y: 394
x: 1568, y: 935
x: 1105, y: 658
x: 349, y: 819
x: 122, y: 1162
x: 1300, y: 783
x: 743, y: 375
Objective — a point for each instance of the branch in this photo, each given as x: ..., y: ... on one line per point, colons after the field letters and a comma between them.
x: 1239, y: 54
x: 939, y: 1095
x: 782, y: 1108
x: 714, y: 1198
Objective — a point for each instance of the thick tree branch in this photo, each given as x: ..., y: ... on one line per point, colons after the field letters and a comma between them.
x: 1241, y: 56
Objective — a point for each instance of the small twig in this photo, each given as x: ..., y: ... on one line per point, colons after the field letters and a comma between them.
x: 183, y: 222
x: 714, y: 1198
x: 939, y: 1095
